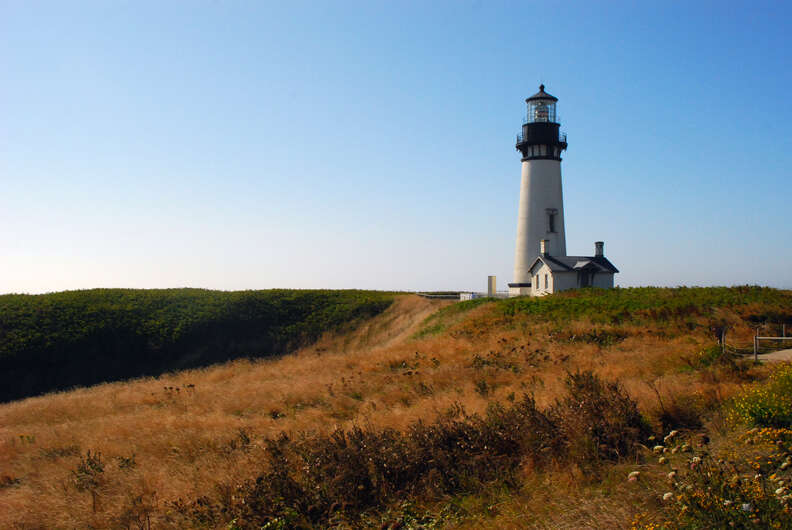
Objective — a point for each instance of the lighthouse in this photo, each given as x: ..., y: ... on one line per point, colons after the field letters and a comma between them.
x: 540, y: 217
x: 541, y: 263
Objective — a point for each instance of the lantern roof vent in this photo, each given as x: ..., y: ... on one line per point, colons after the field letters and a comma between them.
x: 541, y: 95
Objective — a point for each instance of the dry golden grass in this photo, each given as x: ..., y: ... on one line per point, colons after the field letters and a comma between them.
x: 183, y: 428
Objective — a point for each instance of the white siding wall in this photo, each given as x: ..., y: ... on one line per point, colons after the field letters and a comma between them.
x: 603, y: 280
x: 561, y: 281
x: 519, y: 291
x: 538, y: 279
x: 565, y: 280
x: 556, y: 281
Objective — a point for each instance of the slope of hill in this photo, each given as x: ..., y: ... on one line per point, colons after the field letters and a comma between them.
x: 477, y: 414
x: 77, y: 338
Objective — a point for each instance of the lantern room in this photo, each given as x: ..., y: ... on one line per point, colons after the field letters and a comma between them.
x: 541, y: 107
x: 541, y: 137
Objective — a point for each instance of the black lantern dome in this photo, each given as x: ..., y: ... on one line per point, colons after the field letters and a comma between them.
x: 541, y: 138
x: 541, y: 95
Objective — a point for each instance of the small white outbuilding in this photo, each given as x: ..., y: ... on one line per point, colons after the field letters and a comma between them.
x: 552, y: 274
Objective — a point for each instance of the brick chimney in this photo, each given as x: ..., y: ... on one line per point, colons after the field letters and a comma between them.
x: 599, y: 249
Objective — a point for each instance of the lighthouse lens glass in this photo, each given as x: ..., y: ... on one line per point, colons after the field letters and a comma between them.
x: 541, y: 111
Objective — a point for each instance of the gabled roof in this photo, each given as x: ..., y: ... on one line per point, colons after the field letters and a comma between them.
x: 575, y: 263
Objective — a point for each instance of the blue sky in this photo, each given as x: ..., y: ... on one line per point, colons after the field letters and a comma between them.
x: 246, y: 145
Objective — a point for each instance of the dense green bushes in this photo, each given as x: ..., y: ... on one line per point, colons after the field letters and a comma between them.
x: 634, y: 305
x: 768, y: 404
x: 313, y: 479
x: 641, y: 304
x: 59, y: 340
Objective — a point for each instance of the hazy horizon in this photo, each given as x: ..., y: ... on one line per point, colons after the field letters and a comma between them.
x: 371, y: 146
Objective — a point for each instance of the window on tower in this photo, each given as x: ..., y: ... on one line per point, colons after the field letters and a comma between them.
x: 551, y: 219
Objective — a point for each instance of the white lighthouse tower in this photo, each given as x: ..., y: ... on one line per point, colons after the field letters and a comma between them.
x: 540, y: 218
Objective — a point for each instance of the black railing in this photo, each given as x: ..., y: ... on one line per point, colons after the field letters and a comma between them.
x: 562, y: 138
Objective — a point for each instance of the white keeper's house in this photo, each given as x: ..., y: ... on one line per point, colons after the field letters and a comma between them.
x: 550, y: 274
x: 541, y: 264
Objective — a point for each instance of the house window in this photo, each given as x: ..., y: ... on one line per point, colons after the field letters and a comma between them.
x: 545, y: 281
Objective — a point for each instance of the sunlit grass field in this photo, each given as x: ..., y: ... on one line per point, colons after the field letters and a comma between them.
x: 180, y: 449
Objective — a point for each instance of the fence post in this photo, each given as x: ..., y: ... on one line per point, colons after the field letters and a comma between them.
x: 723, y: 341
x: 756, y: 346
x: 783, y: 330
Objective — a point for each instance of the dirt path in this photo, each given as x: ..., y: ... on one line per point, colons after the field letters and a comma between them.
x: 396, y: 324
x: 776, y: 356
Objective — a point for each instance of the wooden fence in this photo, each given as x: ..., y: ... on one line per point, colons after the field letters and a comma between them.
x: 757, y: 338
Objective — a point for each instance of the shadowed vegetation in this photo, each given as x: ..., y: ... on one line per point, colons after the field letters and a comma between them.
x: 77, y: 338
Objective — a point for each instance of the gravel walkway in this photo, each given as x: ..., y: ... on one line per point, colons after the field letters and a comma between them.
x: 776, y: 356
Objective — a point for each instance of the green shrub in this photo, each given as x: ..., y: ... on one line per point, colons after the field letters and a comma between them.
x: 437, y: 322
x: 767, y: 405
x: 59, y: 340
x: 735, y: 491
x: 650, y: 304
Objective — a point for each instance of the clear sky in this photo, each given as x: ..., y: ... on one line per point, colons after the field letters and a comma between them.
x: 247, y: 145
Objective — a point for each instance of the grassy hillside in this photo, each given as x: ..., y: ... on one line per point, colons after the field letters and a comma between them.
x: 649, y: 305
x: 59, y: 340
x: 485, y: 414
